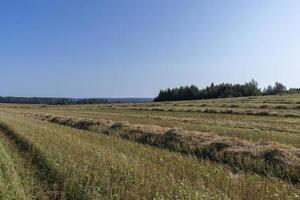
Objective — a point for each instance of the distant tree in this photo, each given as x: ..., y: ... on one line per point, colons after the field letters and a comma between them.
x: 50, y: 101
x: 277, y: 89
x: 251, y: 89
x: 294, y: 90
x: 189, y: 93
x: 269, y: 90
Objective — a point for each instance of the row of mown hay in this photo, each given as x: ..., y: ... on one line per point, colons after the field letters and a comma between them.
x: 224, y: 111
x: 264, y: 158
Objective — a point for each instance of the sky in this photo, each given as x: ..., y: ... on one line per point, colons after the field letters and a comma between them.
x: 134, y: 48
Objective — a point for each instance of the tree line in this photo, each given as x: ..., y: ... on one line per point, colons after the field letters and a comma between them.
x: 222, y: 90
x: 51, y: 101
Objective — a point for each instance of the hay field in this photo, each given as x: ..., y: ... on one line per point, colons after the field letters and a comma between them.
x: 234, y: 148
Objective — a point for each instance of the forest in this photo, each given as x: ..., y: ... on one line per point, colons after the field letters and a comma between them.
x: 223, y: 90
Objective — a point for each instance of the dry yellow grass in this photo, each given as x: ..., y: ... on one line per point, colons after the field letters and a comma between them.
x: 264, y: 158
x: 258, y: 137
x: 84, y: 165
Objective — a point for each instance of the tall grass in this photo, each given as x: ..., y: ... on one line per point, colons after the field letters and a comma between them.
x: 10, y: 183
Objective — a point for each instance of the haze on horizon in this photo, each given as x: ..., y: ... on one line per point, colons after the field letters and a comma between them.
x: 133, y: 48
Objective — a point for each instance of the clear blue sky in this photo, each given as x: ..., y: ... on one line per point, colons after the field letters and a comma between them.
x: 133, y: 48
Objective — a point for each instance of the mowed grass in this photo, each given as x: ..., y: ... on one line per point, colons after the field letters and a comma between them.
x: 280, y: 129
x: 85, y: 165
x: 253, y: 129
x: 264, y: 158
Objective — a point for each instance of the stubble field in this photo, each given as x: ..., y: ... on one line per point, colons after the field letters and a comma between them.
x: 235, y: 148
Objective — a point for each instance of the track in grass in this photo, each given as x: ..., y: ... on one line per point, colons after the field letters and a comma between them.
x: 20, y: 178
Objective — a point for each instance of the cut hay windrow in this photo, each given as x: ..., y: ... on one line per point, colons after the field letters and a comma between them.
x: 270, y: 159
x: 253, y: 112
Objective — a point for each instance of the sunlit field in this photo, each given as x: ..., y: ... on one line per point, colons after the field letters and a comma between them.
x: 234, y: 148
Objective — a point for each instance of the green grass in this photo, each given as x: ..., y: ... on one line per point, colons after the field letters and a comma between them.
x: 92, y: 166
x: 11, y: 184
x: 19, y: 179
x: 9, y: 181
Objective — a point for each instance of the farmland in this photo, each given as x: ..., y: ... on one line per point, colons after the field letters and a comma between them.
x: 233, y: 148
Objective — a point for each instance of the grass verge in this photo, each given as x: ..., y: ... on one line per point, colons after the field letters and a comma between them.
x: 49, y: 180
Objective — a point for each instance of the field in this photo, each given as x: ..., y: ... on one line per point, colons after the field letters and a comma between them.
x: 234, y: 148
